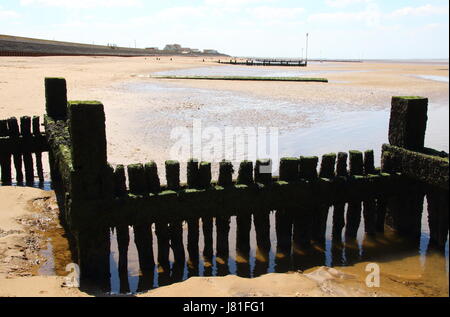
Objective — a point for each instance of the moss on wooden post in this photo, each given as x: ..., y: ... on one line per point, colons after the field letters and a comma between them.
x: 408, y: 122
x: 192, y: 173
x: 136, y: 179
x: 56, y: 98
x: 91, y: 180
x: 152, y: 178
x: 289, y: 170
x: 341, y: 167
x: 173, y: 175
x: 204, y: 175
x: 356, y: 163
x: 308, y: 167
x: 245, y: 175
x: 225, y: 173
x: 327, y: 166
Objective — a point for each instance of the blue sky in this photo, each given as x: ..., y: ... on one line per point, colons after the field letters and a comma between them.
x: 337, y: 28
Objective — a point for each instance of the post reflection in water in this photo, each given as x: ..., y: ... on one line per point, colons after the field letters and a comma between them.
x: 253, y: 246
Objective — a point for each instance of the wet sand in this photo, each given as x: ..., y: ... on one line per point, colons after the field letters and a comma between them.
x: 113, y: 80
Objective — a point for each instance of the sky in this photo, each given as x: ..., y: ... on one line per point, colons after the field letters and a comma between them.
x: 353, y: 29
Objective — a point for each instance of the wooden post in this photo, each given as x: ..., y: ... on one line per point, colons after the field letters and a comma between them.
x: 438, y: 217
x: 143, y: 236
x: 303, y: 220
x: 339, y: 208
x: 407, y: 127
x: 5, y: 159
x: 354, y: 207
x: 327, y: 168
x: 175, y: 227
x: 261, y: 218
x: 369, y: 205
x: 122, y: 231
x: 284, y: 218
x: 25, y: 131
x: 204, y: 175
x: 244, y: 220
x: 56, y: 98
x: 92, y: 180
x: 14, y: 134
x: 408, y: 122
x: 193, y: 224
x: 38, y: 155
x: 223, y: 222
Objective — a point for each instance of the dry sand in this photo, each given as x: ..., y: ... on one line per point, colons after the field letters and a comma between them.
x: 100, y: 78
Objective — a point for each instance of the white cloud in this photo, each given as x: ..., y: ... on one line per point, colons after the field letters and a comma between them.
x: 233, y: 3
x: 8, y: 14
x: 425, y: 10
x: 82, y: 4
x: 344, y: 3
x: 271, y: 13
x: 371, y: 16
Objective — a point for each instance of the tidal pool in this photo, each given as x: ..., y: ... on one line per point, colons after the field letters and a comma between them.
x: 305, y: 129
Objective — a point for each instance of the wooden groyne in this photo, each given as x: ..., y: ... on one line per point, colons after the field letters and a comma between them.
x: 21, y: 146
x: 96, y: 197
x: 265, y: 62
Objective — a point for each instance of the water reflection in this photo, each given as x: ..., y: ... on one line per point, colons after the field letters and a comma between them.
x: 248, y: 260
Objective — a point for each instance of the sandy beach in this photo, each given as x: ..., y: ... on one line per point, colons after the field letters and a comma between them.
x: 366, y: 86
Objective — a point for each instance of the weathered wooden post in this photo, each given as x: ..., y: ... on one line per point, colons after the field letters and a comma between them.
x: 38, y: 155
x: 91, y: 181
x: 204, y: 174
x: 407, y: 127
x: 175, y: 227
x: 5, y: 158
x: 339, y: 208
x: 56, y: 108
x: 244, y: 218
x: 369, y: 205
x: 303, y: 220
x: 122, y: 231
x: 223, y: 222
x: 284, y: 218
x: 353, y: 219
x: 25, y: 131
x: 143, y: 236
x: 327, y: 171
x: 193, y: 224
x: 14, y: 134
x: 261, y: 218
